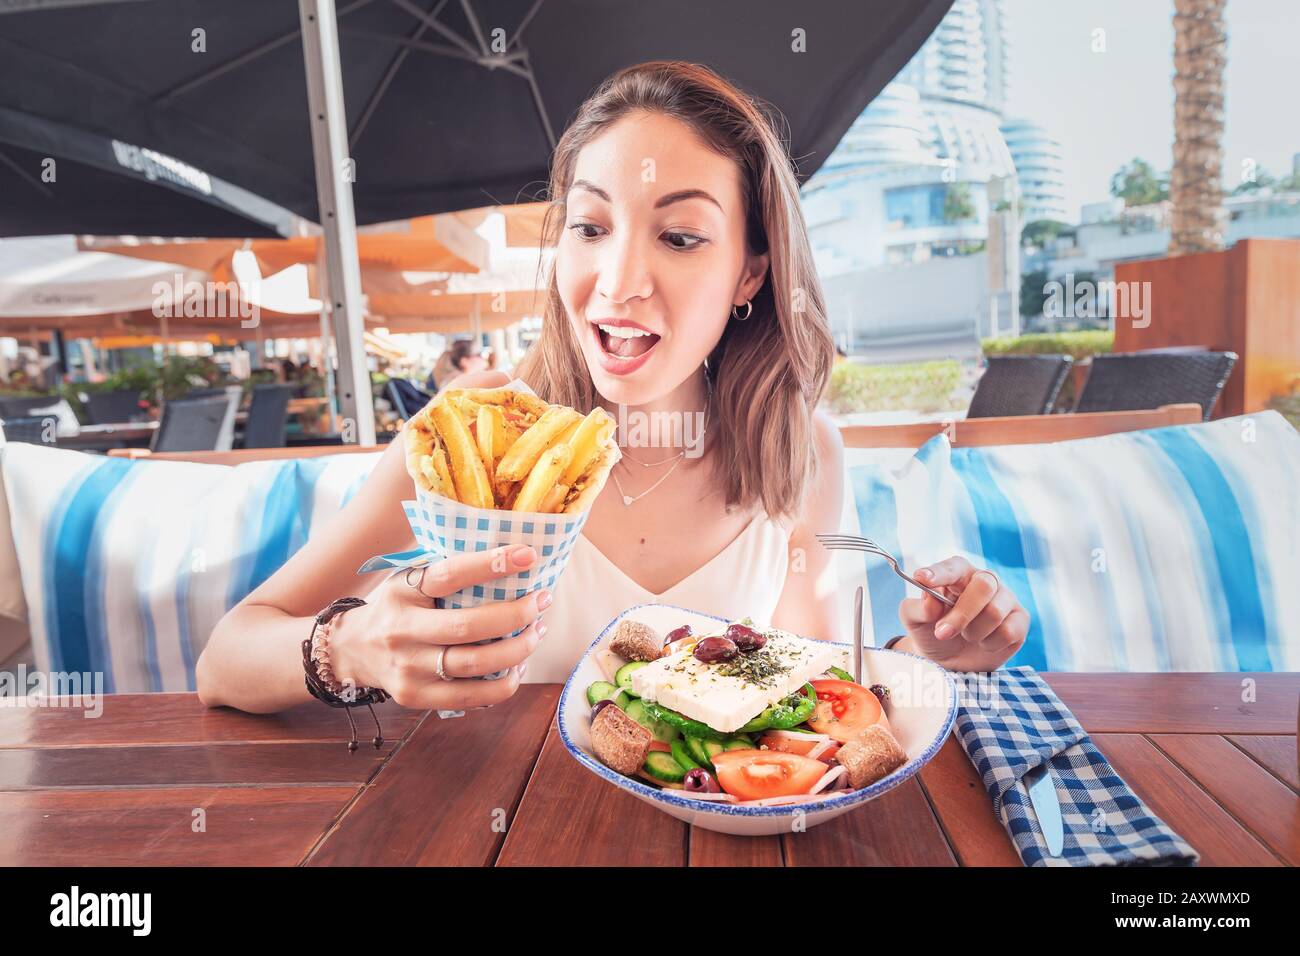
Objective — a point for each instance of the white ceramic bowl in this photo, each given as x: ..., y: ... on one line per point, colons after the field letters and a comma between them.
x: 923, y: 706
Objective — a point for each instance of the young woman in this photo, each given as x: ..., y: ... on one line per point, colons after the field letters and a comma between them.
x: 680, y: 218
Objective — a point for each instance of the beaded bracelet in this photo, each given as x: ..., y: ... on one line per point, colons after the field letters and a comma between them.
x: 321, y: 680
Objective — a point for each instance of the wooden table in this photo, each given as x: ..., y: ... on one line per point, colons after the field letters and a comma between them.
x: 160, y: 779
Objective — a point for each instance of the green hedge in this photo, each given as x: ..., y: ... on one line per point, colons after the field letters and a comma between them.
x: 920, y: 386
x: 1077, y: 344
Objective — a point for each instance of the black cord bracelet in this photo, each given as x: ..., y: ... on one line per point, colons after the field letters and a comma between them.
x: 337, y: 694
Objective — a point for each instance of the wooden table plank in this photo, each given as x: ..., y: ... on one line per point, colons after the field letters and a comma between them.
x: 1257, y: 799
x: 957, y: 793
x: 446, y: 798
x: 245, y: 826
x: 1185, y: 807
x: 895, y: 829
x: 183, y: 719
x: 1180, y: 703
x: 1277, y: 754
x: 189, y: 765
x: 710, y: 848
x: 571, y: 817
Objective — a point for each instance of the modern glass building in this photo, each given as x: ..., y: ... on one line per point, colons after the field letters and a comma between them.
x: 910, y: 179
x: 1038, y: 168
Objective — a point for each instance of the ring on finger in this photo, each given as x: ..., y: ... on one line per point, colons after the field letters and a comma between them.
x: 438, y: 664
x: 421, y: 568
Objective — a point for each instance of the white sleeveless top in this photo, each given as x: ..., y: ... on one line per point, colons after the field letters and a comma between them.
x: 745, y: 578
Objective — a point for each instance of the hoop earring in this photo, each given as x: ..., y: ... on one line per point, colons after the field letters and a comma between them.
x: 749, y: 310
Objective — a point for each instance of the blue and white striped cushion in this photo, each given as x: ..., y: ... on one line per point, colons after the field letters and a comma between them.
x: 1173, y: 549
x: 128, y: 565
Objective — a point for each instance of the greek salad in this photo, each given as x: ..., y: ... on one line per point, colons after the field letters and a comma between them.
x: 745, y: 715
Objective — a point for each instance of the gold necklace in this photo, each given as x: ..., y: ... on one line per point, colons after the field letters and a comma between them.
x: 628, y: 500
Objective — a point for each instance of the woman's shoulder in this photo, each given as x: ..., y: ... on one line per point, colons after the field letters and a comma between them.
x: 829, y: 441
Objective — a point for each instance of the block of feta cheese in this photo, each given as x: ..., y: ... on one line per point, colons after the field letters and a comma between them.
x: 727, y: 696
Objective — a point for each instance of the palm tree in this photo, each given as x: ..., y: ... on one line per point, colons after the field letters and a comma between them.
x: 1196, y: 181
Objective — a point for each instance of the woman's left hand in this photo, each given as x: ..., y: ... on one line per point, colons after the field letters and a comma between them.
x: 985, y: 628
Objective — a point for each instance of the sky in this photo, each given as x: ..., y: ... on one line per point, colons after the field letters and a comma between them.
x: 1107, y: 107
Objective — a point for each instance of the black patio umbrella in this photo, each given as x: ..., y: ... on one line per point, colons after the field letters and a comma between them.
x: 450, y: 105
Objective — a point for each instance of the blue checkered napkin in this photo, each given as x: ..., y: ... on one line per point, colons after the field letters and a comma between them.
x: 1010, y: 721
x: 444, y: 527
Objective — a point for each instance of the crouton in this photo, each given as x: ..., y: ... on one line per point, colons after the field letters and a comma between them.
x: 871, y: 755
x: 636, y: 641
x: 619, y: 741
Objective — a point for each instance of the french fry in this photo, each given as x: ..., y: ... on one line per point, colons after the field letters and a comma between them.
x: 541, y: 480
x: 506, y: 433
x: 467, y: 408
x: 494, y: 448
x: 507, y: 397
x: 467, y: 471
x: 554, y: 499
x: 587, y: 442
x: 518, y: 462
x: 484, y: 434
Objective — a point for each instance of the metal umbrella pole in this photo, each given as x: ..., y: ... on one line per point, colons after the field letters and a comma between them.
x: 334, y: 176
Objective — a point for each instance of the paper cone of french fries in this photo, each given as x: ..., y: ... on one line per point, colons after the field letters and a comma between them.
x: 500, y: 466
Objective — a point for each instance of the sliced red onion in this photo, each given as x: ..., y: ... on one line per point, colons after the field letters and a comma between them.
x: 828, y: 778
x: 820, y: 749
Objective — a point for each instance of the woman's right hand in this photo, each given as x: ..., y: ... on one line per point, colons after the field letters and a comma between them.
x: 393, y: 640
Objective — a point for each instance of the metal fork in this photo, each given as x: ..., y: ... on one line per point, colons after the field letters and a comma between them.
x: 854, y: 542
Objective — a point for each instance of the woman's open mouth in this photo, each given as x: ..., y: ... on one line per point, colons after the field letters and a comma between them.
x: 624, y: 347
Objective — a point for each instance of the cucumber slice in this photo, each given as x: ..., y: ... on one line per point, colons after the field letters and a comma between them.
x: 664, y: 733
x: 623, y: 676
x: 682, y: 757
x: 664, y: 767
x: 636, y: 710
x: 695, y: 747
x: 714, y: 747
x: 738, y: 744
x: 623, y: 700
x: 601, y: 690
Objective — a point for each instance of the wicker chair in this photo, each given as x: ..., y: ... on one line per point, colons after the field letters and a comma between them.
x: 1019, y: 385
x: 109, y: 408
x: 198, y: 424
x: 267, y: 414
x: 1123, y: 381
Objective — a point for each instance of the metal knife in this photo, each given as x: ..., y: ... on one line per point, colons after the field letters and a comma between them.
x: 1042, y: 795
x: 857, y: 635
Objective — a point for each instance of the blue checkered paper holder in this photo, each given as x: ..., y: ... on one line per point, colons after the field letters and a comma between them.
x: 444, y: 528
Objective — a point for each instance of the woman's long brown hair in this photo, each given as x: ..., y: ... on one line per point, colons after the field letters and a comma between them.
x: 768, y: 371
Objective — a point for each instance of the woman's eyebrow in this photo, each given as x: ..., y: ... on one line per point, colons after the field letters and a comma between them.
x: 685, y: 194
x: 662, y: 201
